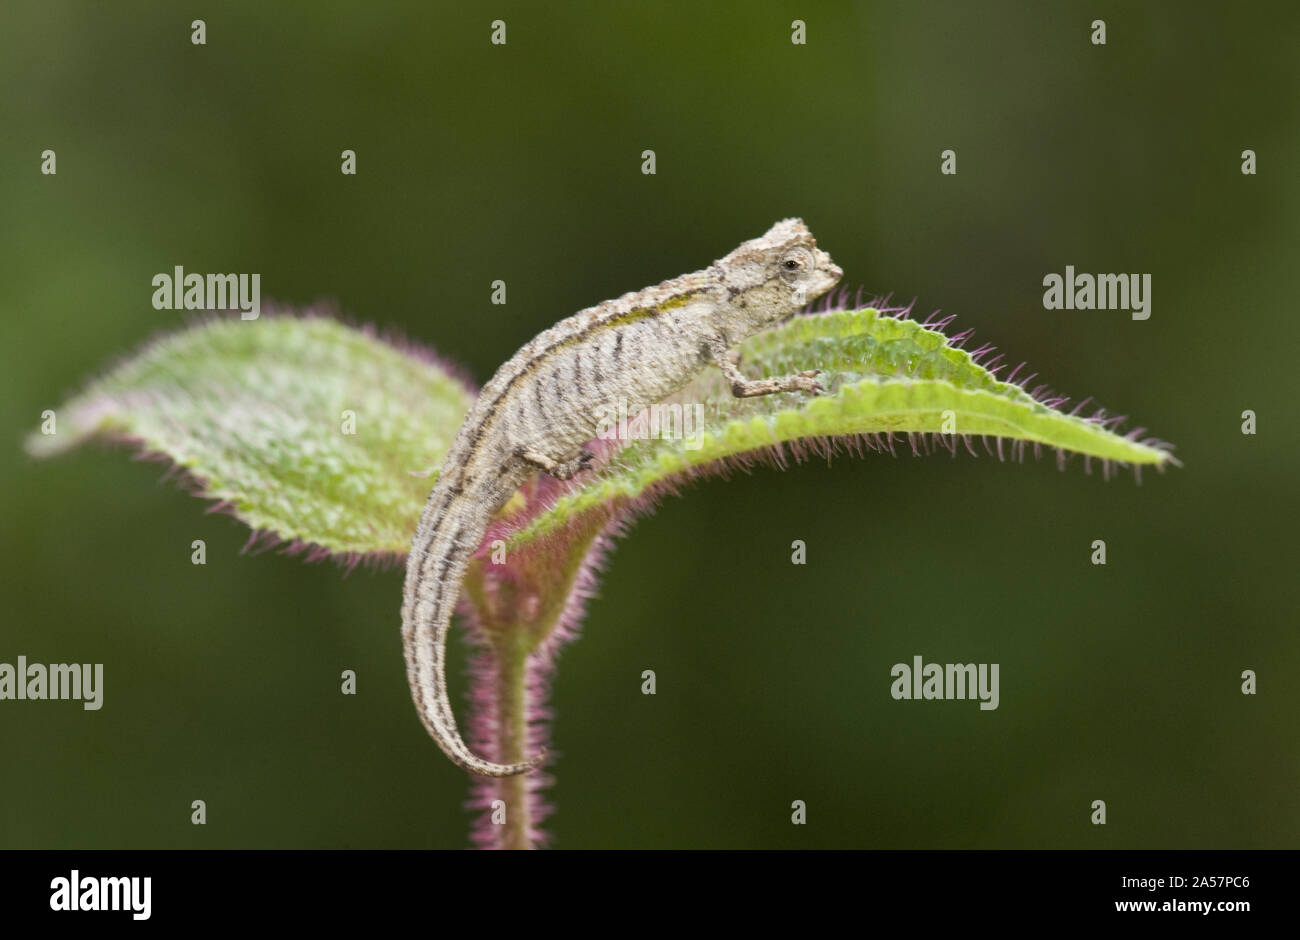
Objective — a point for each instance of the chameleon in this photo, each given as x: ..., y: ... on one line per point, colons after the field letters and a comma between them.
x: 540, y: 408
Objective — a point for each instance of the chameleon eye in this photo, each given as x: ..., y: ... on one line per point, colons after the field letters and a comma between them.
x: 799, y: 259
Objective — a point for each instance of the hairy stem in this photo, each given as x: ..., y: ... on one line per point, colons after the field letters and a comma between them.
x: 507, y: 717
x: 512, y: 737
x: 520, y: 614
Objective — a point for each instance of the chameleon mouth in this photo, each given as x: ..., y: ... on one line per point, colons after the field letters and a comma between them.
x: 829, y: 267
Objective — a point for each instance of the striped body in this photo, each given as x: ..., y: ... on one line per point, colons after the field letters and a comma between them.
x: 541, y: 407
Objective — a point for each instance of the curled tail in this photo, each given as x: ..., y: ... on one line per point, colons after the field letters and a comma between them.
x: 450, y: 530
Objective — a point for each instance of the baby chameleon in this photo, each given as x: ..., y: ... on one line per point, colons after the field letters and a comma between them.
x: 542, y: 406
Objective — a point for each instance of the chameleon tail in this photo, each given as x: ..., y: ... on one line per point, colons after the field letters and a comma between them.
x: 453, y: 525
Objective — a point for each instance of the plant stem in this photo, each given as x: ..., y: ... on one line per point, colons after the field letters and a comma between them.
x: 512, y: 740
x: 518, y: 616
x: 504, y: 726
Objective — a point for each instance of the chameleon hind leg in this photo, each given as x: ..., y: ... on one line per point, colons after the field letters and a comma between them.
x: 560, y: 469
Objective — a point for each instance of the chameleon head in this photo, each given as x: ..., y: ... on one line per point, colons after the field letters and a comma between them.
x: 768, y: 278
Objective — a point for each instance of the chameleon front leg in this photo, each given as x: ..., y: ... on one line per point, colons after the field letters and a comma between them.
x: 742, y: 387
x: 560, y: 469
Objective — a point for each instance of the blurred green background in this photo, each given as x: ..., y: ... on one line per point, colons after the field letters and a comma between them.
x: 522, y: 162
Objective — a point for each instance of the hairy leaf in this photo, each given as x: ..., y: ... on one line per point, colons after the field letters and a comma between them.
x: 885, y: 375
x: 257, y: 413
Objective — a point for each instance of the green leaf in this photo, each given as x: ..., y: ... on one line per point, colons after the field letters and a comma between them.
x: 884, y: 375
x: 255, y: 412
